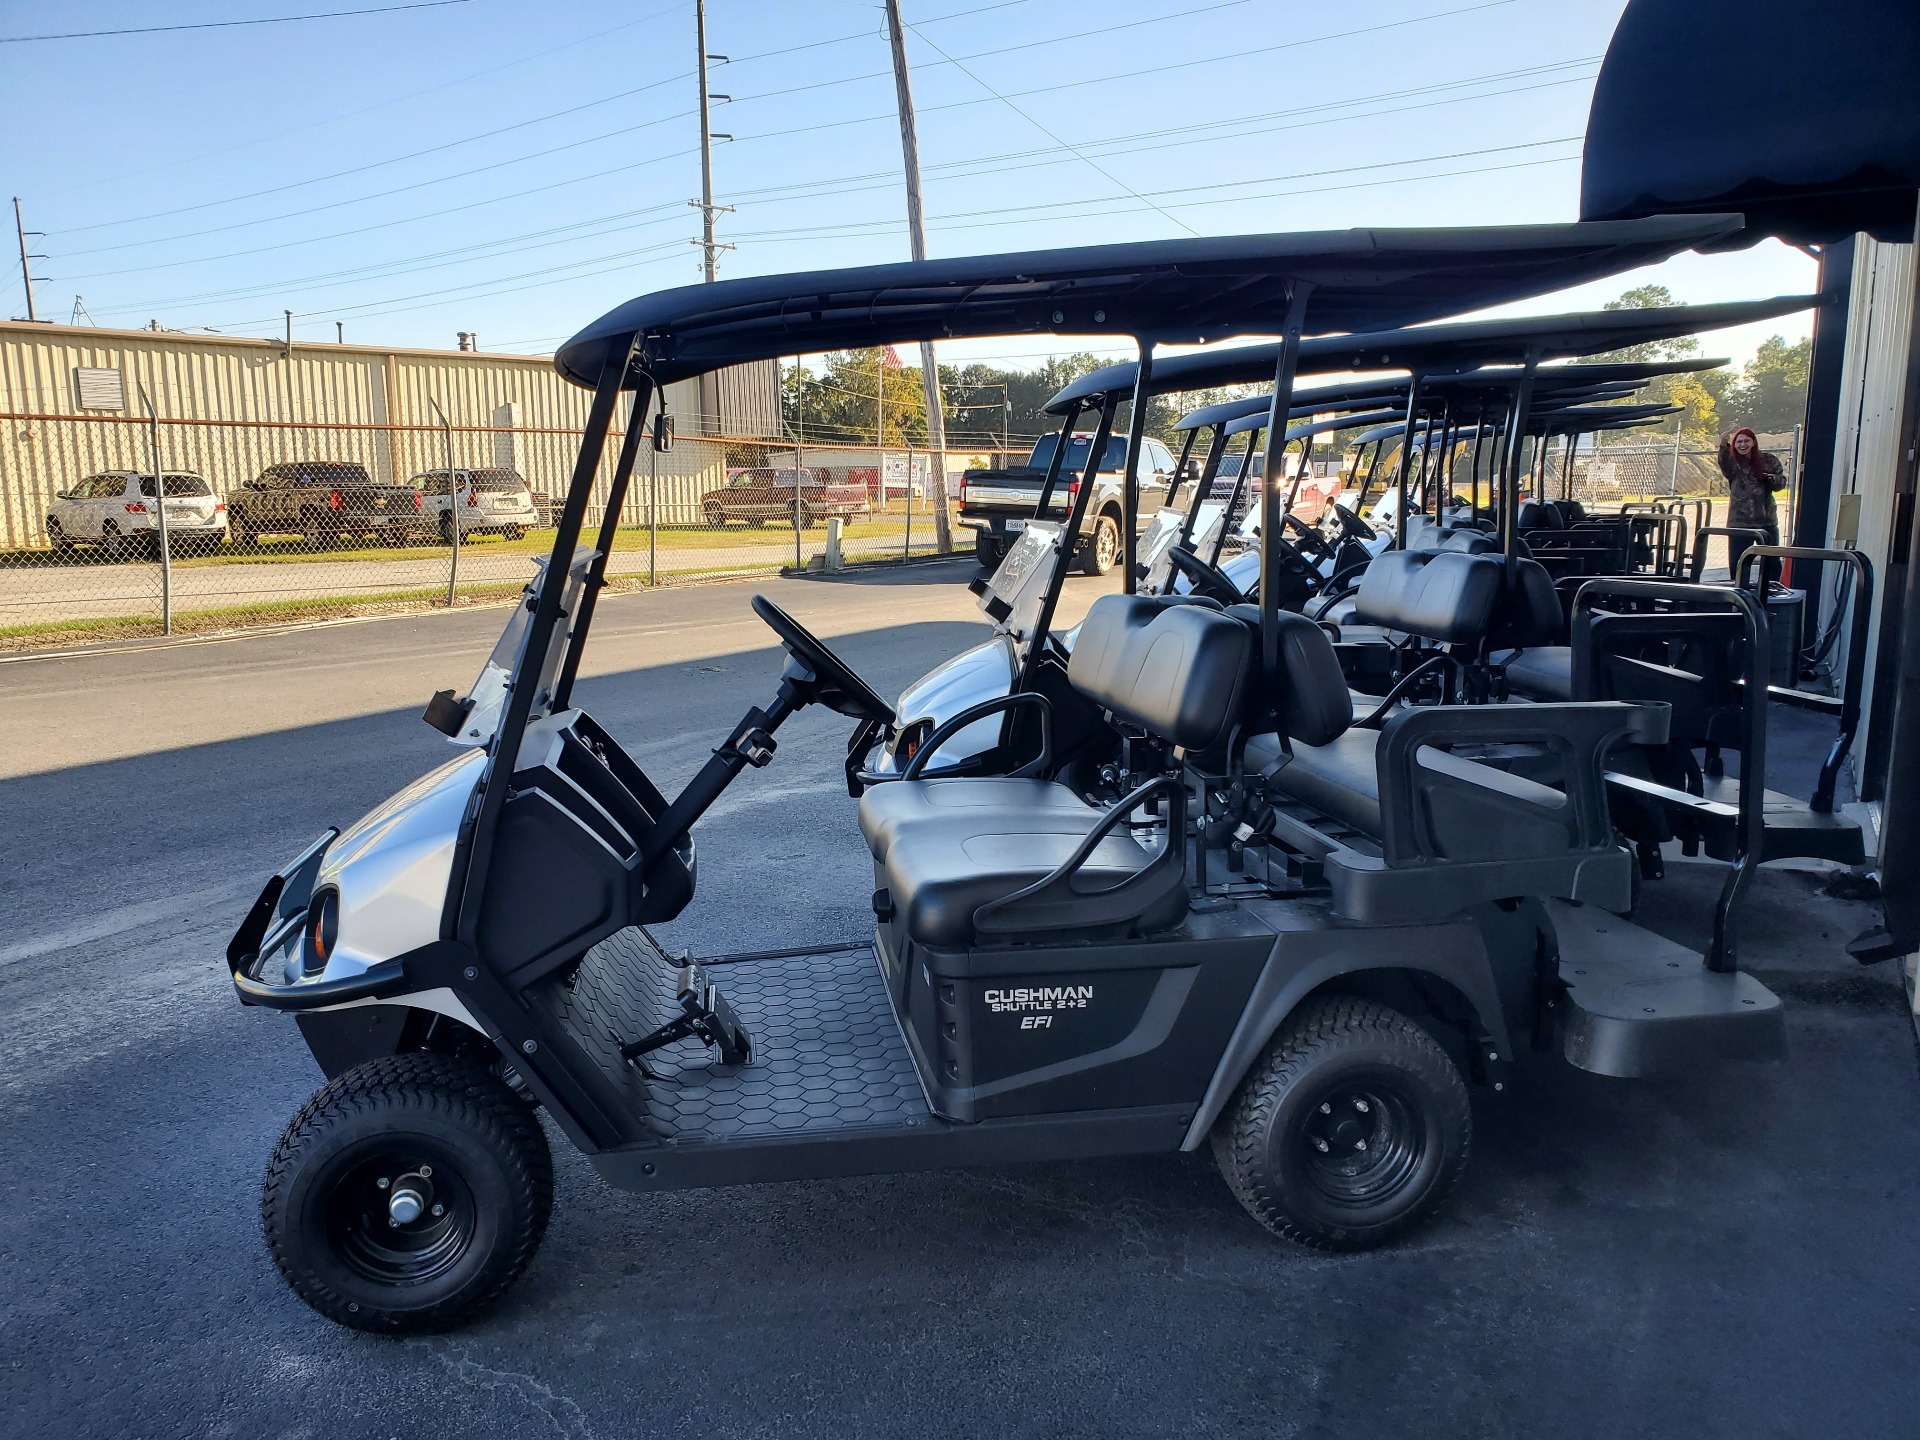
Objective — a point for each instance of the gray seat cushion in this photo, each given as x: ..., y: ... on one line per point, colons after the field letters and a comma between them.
x: 942, y: 871
x: 1340, y: 778
x: 896, y: 805
x: 1545, y: 673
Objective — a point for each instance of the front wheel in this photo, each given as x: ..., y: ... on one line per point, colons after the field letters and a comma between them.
x: 407, y: 1194
x: 1353, y: 1127
x: 1103, y: 547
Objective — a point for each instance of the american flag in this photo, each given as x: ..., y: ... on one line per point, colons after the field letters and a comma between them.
x: 890, y: 358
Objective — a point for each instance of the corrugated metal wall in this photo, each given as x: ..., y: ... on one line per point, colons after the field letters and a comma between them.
x: 1866, y: 453
x: 249, y: 405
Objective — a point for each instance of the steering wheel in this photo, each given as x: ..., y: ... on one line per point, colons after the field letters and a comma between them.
x: 1207, y: 580
x: 1309, y: 535
x: 835, y: 684
x: 1352, y: 527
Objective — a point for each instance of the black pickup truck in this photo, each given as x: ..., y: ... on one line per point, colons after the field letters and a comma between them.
x: 998, y: 503
x: 326, y: 501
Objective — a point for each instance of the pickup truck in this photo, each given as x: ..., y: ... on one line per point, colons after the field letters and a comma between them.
x: 763, y: 492
x: 326, y: 501
x: 998, y: 503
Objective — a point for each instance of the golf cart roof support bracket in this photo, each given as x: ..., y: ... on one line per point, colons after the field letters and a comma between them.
x: 1284, y: 368
x: 1510, y: 476
x: 1203, y: 487
x: 1180, y: 468
x: 1058, y: 457
x: 477, y: 841
x: 1130, y: 469
x: 1406, y: 459
x: 1043, y: 623
x: 609, y: 529
x: 1233, y: 500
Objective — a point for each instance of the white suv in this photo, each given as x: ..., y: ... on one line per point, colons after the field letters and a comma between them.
x: 116, y: 511
x: 491, y: 502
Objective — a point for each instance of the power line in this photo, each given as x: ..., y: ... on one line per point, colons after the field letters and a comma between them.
x: 841, y: 185
x: 230, y: 24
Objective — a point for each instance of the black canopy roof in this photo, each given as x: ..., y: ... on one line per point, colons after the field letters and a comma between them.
x: 1258, y: 421
x: 1801, y: 113
x: 1177, y: 291
x: 1365, y: 390
x: 1457, y: 345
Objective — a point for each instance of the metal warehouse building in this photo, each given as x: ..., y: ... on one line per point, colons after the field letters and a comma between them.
x: 71, y: 404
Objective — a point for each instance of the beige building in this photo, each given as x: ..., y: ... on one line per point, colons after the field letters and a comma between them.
x: 71, y: 404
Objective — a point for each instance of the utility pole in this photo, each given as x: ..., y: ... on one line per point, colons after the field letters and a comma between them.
x: 710, y: 248
x: 26, y: 273
x: 917, y: 234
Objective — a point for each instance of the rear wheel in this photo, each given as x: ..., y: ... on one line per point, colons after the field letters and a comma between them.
x: 514, y: 532
x: 407, y: 1194
x: 716, y: 518
x: 986, y: 550
x: 1353, y: 1127
x: 1103, y: 546
x: 113, y: 545
x: 446, y: 528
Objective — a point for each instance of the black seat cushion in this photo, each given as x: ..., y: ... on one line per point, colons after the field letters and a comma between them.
x: 1545, y: 673
x: 1308, y: 698
x: 1175, y: 671
x: 940, y: 872
x: 1441, y: 595
x: 1340, y: 778
x: 889, y: 808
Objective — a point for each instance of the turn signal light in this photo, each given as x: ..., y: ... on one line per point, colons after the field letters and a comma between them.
x: 333, y: 499
x: 136, y: 508
x: 323, y: 931
x: 416, y: 501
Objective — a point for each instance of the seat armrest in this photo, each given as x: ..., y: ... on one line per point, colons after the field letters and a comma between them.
x: 1028, y: 909
x: 1417, y: 788
x: 1040, y: 762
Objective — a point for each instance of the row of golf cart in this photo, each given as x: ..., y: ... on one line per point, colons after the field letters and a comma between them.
x: 1279, y: 851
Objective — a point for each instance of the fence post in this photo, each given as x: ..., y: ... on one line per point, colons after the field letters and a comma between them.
x: 160, y: 513
x: 906, y: 549
x: 798, y: 563
x: 1674, y: 488
x: 453, y: 503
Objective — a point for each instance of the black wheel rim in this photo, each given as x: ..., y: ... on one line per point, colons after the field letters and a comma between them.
x: 361, y: 1224
x: 1363, y: 1142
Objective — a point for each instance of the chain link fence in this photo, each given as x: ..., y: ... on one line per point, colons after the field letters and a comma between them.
x: 270, y: 523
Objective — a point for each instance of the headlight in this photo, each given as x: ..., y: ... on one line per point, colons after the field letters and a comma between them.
x: 912, y: 737
x: 323, y: 932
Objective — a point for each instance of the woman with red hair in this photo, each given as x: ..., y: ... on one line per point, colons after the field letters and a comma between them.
x: 1752, y: 478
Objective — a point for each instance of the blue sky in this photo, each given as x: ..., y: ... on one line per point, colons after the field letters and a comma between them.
x: 516, y: 169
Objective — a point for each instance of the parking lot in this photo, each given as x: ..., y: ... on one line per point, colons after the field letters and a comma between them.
x: 1728, y: 1254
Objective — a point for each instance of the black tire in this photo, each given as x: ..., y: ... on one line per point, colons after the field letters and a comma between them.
x: 513, y: 532
x: 113, y: 547
x: 716, y: 517
x: 446, y: 527
x: 58, y: 538
x: 1341, y: 1071
x: 453, y: 1133
x: 318, y: 532
x: 1102, y: 550
x: 986, y: 551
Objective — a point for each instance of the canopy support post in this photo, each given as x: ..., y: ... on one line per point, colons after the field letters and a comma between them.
x: 1043, y: 624
x: 643, y: 396
x: 1284, y: 369
x: 1406, y: 460
x: 505, y: 749
x: 1203, y: 487
x: 1130, y: 471
x: 1510, y: 470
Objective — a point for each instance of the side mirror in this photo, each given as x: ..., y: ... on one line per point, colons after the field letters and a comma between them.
x: 1190, y: 470
x: 663, y: 432
x: 63, y: 494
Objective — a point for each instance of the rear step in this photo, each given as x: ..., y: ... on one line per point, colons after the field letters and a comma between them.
x: 1639, y: 1004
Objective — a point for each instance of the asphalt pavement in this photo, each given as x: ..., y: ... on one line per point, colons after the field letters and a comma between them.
x: 1735, y: 1253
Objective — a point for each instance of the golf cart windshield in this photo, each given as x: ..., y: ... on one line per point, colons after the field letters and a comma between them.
x: 488, y: 698
x: 1014, y: 596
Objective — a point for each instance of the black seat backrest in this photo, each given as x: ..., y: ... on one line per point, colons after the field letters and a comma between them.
x: 1538, y: 515
x: 1441, y: 595
x: 1307, y: 697
x: 1689, y: 660
x: 1175, y: 671
x: 1529, y: 612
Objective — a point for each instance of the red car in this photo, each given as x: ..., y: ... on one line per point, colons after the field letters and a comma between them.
x: 765, y: 493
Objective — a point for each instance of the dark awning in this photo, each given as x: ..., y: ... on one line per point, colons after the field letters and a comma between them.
x: 1362, y: 392
x: 1173, y: 291
x: 1459, y: 345
x: 1801, y: 113
x: 1258, y: 421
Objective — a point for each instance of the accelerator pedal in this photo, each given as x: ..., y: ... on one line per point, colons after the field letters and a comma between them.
x: 704, y: 1015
